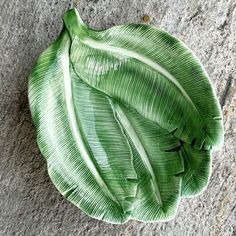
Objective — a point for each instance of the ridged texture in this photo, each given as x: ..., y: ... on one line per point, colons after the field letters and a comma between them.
x: 126, y: 119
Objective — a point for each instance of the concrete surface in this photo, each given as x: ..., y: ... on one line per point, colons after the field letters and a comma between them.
x: 29, y: 203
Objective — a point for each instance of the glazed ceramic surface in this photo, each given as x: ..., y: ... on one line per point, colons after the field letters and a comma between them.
x: 126, y: 119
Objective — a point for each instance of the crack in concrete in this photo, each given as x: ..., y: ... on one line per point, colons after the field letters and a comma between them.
x: 226, y: 91
x: 199, y: 11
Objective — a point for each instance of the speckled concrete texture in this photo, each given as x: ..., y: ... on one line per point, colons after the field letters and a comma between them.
x: 29, y: 203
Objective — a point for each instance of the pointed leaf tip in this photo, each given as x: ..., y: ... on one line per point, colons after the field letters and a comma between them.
x: 74, y: 23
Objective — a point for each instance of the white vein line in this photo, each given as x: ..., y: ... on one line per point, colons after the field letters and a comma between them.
x: 73, y: 122
x: 103, y: 46
x: 139, y: 146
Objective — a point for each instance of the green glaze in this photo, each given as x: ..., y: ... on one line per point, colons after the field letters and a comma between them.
x: 126, y: 119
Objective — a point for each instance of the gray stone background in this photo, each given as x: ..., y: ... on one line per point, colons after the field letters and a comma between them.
x: 29, y: 203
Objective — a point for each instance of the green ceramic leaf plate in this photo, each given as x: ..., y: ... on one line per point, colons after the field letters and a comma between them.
x: 126, y: 118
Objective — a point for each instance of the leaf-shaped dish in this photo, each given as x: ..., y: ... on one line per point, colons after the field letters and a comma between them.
x: 126, y: 119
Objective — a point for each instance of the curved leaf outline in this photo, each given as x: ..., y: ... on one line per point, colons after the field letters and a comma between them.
x: 126, y: 127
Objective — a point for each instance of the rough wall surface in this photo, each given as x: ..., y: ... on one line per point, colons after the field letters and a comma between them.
x: 29, y: 203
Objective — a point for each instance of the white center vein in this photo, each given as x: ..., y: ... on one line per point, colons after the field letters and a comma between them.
x: 103, y: 46
x: 139, y: 147
x: 73, y: 123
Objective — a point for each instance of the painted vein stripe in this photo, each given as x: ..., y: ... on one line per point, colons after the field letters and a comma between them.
x: 73, y: 123
x: 103, y: 46
x: 139, y: 146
